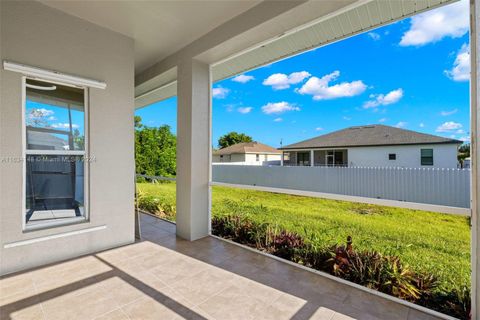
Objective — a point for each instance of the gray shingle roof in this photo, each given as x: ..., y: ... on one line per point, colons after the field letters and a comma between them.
x: 247, y: 147
x: 370, y: 135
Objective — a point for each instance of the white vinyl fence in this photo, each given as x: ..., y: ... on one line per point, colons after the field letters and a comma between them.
x: 445, y: 187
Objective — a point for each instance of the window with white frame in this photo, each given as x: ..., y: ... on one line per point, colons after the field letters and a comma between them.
x: 55, y: 147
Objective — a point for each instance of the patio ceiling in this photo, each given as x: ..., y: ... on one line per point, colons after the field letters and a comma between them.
x: 159, y: 28
x: 336, y: 23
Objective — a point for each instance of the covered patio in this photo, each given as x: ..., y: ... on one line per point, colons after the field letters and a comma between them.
x: 126, y: 55
x: 165, y: 277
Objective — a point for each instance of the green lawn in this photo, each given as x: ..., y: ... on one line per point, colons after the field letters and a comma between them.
x: 426, y: 241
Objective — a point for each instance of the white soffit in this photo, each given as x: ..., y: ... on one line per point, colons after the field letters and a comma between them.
x: 357, y: 18
x: 161, y: 93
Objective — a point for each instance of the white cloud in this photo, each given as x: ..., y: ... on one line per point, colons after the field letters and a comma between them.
x: 448, y: 113
x: 401, y: 124
x: 280, y: 81
x: 318, y: 129
x: 384, y: 99
x: 460, y: 131
x: 219, y: 92
x: 421, y: 125
x: 40, y: 113
x: 244, y: 110
x: 374, y: 36
x: 243, y: 78
x: 277, y: 120
x: 346, y: 118
x: 382, y: 120
x: 449, y: 126
x: 320, y: 90
x: 278, y: 107
x: 449, y: 21
x: 64, y: 126
x: 297, y: 77
x: 461, y: 66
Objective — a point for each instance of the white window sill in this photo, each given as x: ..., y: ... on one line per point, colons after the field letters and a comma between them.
x: 54, y: 223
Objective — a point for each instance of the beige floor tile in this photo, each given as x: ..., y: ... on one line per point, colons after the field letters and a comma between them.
x: 284, y: 308
x: 195, y: 313
x: 203, y: 285
x: 55, y: 277
x: 418, y: 315
x: 340, y: 316
x: 322, y: 313
x: 257, y: 290
x: 124, y: 292
x: 33, y: 312
x: 16, y: 288
x: 232, y: 303
x: 113, y: 315
x: 177, y: 269
x: 167, y: 304
x: 148, y: 309
x: 376, y: 306
x: 89, y: 303
x: 254, y: 259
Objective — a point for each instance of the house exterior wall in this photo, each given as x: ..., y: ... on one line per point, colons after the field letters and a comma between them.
x: 34, y: 34
x: 444, y: 156
x: 249, y: 159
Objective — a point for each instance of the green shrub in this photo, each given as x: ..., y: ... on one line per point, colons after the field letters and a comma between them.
x: 240, y: 230
x: 159, y: 206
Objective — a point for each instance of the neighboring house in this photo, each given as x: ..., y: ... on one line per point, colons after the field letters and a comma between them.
x: 46, y: 141
x: 374, y: 146
x: 248, y: 153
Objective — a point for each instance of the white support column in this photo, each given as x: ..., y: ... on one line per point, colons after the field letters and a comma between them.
x: 193, y: 149
x: 281, y: 159
x: 312, y: 160
x: 475, y: 154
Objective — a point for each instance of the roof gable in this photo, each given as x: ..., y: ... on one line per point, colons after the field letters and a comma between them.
x: 247, y: 147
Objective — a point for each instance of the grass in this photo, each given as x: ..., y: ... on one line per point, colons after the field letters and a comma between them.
x: 426, y: 241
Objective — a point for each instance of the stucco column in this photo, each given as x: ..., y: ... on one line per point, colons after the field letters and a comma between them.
x: 193, y: 149
x: 475, y: 155
x: 312, y: 160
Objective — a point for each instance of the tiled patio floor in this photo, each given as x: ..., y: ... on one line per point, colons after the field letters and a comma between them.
x: 164, y: 277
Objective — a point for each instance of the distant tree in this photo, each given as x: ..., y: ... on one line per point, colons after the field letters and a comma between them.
x: 232, y: 138
x: 138, y: 122
x: 155, y: 150
x: 463, y: 152
x: 78, y: 140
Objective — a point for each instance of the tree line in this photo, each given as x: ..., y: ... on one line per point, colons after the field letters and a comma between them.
x: 156, y: 148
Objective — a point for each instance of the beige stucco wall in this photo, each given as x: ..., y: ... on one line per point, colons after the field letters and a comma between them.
x: 37, y: 35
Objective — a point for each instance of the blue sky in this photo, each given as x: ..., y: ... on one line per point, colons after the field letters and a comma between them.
x: 53, y: 116
x: 412, y: 74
